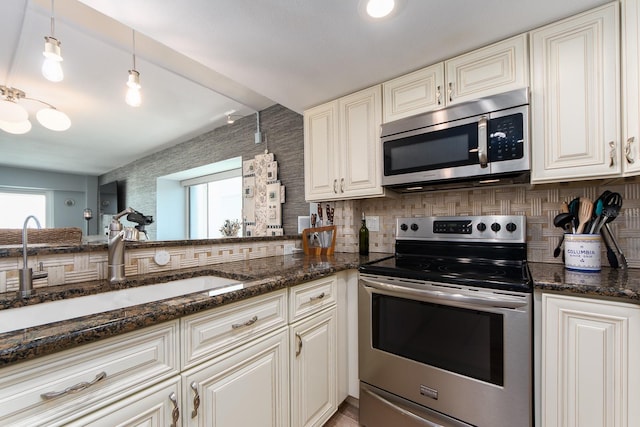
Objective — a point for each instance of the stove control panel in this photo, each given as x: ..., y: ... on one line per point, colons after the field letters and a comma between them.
x: 487, y: 228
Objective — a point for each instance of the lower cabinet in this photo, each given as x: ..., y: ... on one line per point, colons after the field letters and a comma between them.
x: 247, y: 386
x: 590, y: 371
x: 314, y: 369
x: 252, y: 363
x: 157, y: 406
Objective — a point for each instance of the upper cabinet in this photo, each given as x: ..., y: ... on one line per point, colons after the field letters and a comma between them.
x: 497, y: 68
x: 575, y: 97
x: 342, y: 147
x: 630, y: 86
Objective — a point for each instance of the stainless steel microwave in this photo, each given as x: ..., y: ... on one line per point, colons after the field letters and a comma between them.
x: 474, y: 143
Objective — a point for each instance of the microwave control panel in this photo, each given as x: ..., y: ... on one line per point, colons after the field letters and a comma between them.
x: 506, y: 138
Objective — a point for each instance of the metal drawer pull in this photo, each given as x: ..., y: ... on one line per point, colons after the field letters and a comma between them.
x: 450, y: 92
x: 175, y: 414
x: 299, y: 349
x: 627, y: 150
x: 438, y: 95
x: 612, y: 154
x: 196, y: 399
x: 342, y: 185
x: 74, y: 388
x: 317, y: 297
x: 249, y: 322
x: 335, y: 186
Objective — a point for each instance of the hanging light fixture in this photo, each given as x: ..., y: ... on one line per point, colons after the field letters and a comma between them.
x: 52, y: 67
x: 133, y: 97
x: 14, y: 118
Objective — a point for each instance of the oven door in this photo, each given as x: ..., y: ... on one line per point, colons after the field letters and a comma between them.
x: 462, y: 352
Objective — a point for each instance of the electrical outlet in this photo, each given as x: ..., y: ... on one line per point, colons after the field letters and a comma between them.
x: 289, y: 249
x: 373, y: 223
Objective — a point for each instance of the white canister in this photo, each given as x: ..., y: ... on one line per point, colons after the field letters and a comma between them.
x: 582, y: 252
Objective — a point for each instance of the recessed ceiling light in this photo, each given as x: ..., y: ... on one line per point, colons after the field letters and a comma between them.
x: 380, y: 8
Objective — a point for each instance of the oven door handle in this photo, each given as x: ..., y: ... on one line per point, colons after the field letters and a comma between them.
x: 495, y: 300
x: 403, y: 411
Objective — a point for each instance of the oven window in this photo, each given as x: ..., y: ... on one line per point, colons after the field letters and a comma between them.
x: 464, y: 341
x: 456, y: 146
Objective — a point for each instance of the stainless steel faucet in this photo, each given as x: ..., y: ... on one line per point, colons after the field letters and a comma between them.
x: 26, y: 274
x: 117, y: 236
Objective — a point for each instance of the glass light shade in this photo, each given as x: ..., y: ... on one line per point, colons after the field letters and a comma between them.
x: 53, y: 119
x: 16, y: 128
x: 52, y: 70
x: 380, y: 8
x: 133, y: 97
x: 11, y: 111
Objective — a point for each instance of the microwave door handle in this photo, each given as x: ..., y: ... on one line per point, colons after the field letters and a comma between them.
x: 482, y: 142
x: 495, y: 301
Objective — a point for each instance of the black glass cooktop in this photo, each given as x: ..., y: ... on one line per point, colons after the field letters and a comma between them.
x: 486, y: 273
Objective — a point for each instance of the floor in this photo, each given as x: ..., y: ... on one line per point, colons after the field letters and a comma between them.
x: 347, y: 415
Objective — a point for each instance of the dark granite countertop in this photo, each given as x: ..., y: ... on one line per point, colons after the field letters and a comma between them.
x: 610, y: 283
x: 259, y: 276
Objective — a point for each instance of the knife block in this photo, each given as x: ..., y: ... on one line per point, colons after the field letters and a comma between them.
x: 328, y: 234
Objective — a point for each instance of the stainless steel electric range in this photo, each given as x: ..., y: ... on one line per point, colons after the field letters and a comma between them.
x: 445, y: 326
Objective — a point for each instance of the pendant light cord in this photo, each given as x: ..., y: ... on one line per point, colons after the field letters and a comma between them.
x: 53, y: 21
x: 133, y: 38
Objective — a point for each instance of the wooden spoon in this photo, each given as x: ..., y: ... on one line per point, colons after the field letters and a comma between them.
x: 584, y: 213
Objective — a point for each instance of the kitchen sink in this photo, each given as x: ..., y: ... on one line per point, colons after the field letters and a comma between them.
x: 14, y: 319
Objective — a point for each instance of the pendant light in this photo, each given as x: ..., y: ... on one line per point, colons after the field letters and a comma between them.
x: 52, y: 67
x: 133, y: 97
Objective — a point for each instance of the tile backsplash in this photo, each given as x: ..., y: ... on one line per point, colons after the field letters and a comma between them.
x: 540, y: 204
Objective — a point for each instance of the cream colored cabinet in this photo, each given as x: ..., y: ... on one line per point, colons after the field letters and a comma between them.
x: 342, y: 147
x: 575, y: 97
x: 156, y: 406
x: 631, y: 86
x: 247, y: 386
x: 313, y: 346
x: 60, y: 388
x: 590, y: 374
x: 497, y: 68
x: 493, y: 69
x: 314, y: 369
x: 413, y: 93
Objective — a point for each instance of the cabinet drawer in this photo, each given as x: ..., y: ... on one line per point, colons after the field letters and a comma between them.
x: 311, y: 297
x: 130, y: 361
x: 215, y: 331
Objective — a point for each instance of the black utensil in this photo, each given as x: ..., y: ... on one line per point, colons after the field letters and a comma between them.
x: 564, y: 221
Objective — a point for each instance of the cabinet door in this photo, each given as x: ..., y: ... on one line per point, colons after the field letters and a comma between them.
x: 497, y: 68
x: 631, y: 87
x: 320, y: 158
x: 413, y: 93
x: 157, y: 406
x: 574, y: 105
x: 314, y: 369
x: 360, y: 150
x: 248, y: 386
x: 590, y: 374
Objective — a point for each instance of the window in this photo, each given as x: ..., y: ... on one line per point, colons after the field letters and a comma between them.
x: 18, y: 206
x: 213, y: 202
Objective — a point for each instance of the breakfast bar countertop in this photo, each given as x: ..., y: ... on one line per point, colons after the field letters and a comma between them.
x: 259, y: 276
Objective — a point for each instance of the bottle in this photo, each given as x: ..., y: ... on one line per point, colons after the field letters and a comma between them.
x: 364, y: 237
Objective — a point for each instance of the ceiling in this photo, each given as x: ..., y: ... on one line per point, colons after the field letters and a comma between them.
x: 199, y: 59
